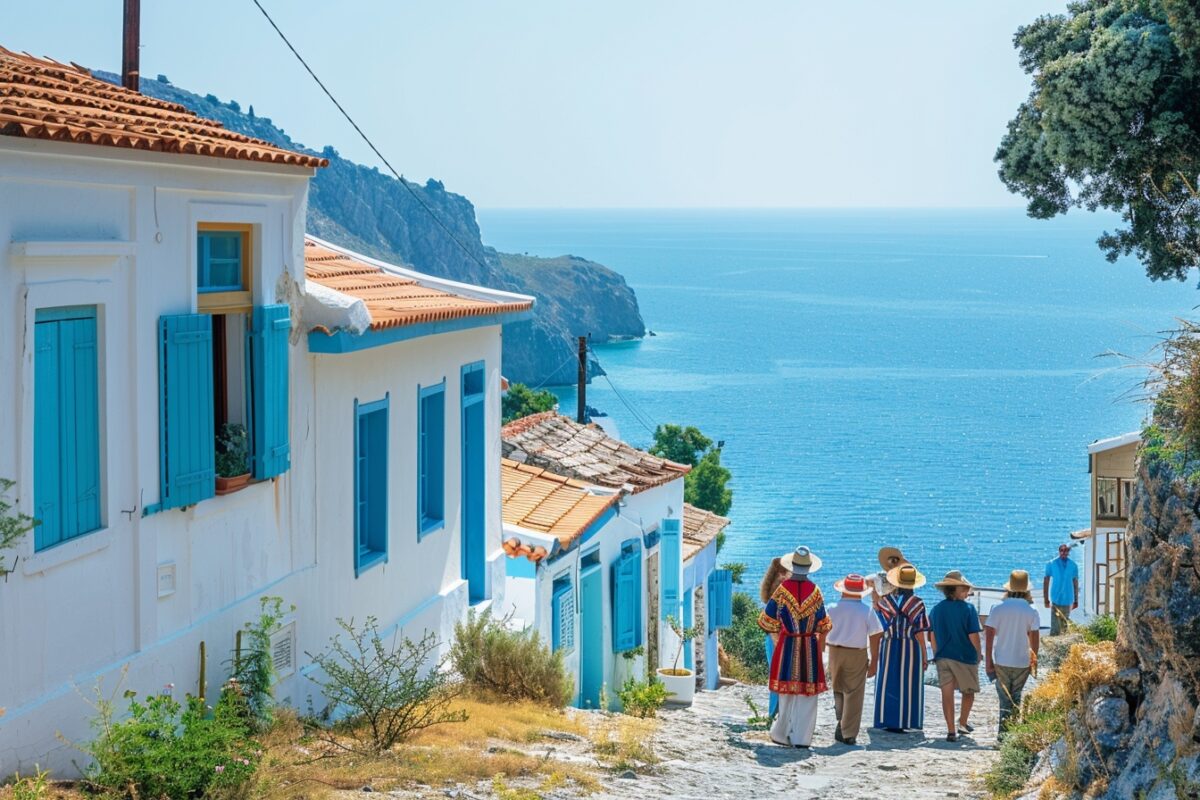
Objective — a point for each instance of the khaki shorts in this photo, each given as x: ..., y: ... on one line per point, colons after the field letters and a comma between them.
x: 965, y: 677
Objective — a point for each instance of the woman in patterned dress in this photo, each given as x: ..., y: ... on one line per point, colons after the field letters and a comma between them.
x: 900, y: 679
x: 770, y: 582
x: 795, y: 617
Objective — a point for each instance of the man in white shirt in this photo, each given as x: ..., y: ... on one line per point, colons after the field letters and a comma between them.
x: 1013, y: 633
x: 853, y: 652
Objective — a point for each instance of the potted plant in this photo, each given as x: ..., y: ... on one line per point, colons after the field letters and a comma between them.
x: 680, y: 681
x: 233, y: 458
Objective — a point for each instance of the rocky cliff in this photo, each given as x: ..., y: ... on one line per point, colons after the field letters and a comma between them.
x: 371, y: 212
x: 1139, y: 736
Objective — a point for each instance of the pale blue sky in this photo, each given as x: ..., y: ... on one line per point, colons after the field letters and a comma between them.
x: 566, y: 103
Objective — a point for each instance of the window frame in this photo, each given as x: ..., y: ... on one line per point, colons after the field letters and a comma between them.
x: 227, y: 302
x: 428, y: 523
x: 1115, y: 511
x: 377, y: 551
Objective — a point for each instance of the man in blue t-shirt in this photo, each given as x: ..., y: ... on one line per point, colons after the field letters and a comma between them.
x: 954, y: 628
x: 1061, y: 589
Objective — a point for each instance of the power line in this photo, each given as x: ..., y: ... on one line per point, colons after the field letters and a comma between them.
x: 640, y: 417
x: 433, y: 215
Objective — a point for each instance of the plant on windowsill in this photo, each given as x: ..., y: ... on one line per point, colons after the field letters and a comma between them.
x: 13, y: 526
x: 233, y: 458
x: 680, y: 682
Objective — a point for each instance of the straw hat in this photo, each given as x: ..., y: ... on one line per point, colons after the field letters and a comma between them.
x: 854, y: 584
x: 905, y: 576
x: 803, y: 561
x: 891, y: 557
x: 1018, y: 581
x: 953, y: 578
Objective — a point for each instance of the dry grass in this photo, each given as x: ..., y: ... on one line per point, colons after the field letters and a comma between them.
x: 1085, y: 667
x: 623, y: 743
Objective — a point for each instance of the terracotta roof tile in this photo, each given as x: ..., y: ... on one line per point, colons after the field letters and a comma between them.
x: 542, y: 501
x: 699, y: 528
x: 43, y: 99
x: 393, y: 300
x: 554, y: 442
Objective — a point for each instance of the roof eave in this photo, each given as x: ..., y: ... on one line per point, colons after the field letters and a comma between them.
x: 1101, y: 445
x: 347, y: 342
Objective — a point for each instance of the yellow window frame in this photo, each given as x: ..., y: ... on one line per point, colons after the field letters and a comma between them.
x: 240, y: 302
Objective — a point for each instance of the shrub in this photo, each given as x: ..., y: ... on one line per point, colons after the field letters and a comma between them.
x: 388, y: 692
x: 1101, y: 629
x: 233, y: 450
x: 168, y: 749
x: 253, y: 666
x: 513, y: 664
x: 642, y: 699
x: 743, y: 640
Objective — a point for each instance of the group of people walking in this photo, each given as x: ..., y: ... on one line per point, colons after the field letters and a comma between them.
x: 890, y: 638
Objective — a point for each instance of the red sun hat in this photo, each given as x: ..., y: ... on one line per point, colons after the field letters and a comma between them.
x: 853, y: 584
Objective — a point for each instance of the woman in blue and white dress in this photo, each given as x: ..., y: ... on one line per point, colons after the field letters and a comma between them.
x: 900, y: 679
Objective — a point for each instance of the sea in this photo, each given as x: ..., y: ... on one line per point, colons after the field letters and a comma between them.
x: 924, y: 379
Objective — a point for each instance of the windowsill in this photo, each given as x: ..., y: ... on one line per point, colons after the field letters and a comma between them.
x: 372, y: 560
x: 71, y: 550
x: 1111, y: 518
x: 429, y: 526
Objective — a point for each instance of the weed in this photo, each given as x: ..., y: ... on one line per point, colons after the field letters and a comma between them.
x: 33, y: 787
x: 642, y: 699
x: 253, y: 668
x: 756, y: 720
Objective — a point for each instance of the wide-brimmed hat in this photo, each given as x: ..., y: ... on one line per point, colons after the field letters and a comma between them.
x: 953, y: 578
x: 889, y: 554
x: 802, y: 560
x: 905, y: 576
x: 1018, y: 581
x: 854, y: 584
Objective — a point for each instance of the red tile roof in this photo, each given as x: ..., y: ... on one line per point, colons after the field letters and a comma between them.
x: 43, y: 99
x: 586, y: 452
x: 541, y: 501
x: 699, y: 528
x: 394, y: 300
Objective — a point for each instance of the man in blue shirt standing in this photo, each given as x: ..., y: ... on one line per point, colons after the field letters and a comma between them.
x: 1061, y: 589
x: 955, y: 631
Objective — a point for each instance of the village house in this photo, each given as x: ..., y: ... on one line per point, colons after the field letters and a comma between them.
x: 1112, y: 469
x: 162, y: 295
x: 707, y: 592
x: 651, y: 562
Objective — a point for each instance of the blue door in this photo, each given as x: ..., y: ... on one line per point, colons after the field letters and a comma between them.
x: 591, y: 635
x: 474, y: 474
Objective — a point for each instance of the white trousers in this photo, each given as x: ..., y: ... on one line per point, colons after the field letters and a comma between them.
x: 796, y: 721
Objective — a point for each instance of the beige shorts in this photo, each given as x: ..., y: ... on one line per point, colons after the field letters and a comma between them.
x: 964, y: 677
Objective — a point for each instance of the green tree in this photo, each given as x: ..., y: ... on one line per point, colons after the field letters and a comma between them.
x: 679, y: 444
x: 521, y: 401
x: 704, y: 487
x: 1113, y: 121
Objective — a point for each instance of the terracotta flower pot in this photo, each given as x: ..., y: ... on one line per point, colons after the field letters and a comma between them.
x: 681, y: 685
x: 231, y: 485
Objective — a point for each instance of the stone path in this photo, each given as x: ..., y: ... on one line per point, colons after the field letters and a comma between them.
x: 708, y: 752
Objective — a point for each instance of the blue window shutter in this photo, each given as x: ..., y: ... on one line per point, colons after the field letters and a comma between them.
x: 370, y: 484
x: 671, y: 567
x: 562, y: 615
x: 270, y: 453
x: 185, y: 410
x: 627, y: 601
x: 80, y: 406
x: 431, y: 458
x: 720, y: 599
x: 47, y: 453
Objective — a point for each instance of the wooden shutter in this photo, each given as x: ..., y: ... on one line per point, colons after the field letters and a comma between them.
x: 720, y: 599
x: 671, y: 567
x: 431, y: 458
x: 627, y: 600
x: 270, y: 452
x: 185, y: 410
x: 562, y: 605
x: 47, y: 453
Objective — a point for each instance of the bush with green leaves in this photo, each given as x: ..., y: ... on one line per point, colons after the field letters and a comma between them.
x: 233, y: 450
x: 13, y: 524
x: 642, y: 699
x: 383, y: 692
x: 517, y: 665
x: 743, y: 640
x: 1101, y: 629
x: 169, y: 749
x: 253, y: 668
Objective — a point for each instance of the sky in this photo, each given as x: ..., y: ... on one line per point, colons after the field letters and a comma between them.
x: 615, y: 104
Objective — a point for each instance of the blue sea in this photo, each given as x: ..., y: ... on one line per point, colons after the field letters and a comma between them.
x: 924, y: 379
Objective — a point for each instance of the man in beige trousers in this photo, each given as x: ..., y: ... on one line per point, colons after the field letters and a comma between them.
x: 853, y: 646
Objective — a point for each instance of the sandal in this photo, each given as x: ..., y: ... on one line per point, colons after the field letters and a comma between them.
x: 952, y: 737
x: 966, y: 727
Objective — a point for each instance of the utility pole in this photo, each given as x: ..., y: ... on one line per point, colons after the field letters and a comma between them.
x: 130, y: 41
x: 581, y: 417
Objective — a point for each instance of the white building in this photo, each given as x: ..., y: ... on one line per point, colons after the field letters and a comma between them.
x: 707, y: 592
x: 1112, y: 468
x: 154, y: 270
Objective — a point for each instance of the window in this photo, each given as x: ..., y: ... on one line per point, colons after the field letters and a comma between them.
x: 1126, y: 496
x: 370, y: 484
x: 1106, y: 498
x: 474, y: 474
x: 66, y: 425
x: 224, y: 268
x: 562, y: 605
x: 431, y: 458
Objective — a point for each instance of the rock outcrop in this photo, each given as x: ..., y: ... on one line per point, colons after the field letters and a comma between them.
x: 371, y: 212
x: 1140, y: 735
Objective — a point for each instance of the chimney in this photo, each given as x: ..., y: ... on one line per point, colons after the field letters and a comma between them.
x: 131, y: 39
